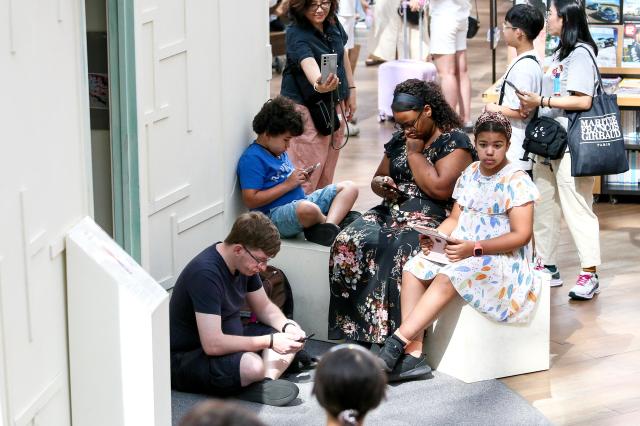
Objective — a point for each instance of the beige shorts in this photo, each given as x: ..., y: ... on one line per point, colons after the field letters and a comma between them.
x: 349, y: 25
x: 447, y: 39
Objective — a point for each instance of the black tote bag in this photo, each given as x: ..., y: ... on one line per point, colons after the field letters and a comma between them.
x: 595, y: 136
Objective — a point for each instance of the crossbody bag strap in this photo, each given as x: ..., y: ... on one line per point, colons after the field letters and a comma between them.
x: 595, y: 64
x: 477, y: 16
x: 507, y: 75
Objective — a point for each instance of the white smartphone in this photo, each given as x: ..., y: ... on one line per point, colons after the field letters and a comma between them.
x: 328, y: 65
x: 311, y: 169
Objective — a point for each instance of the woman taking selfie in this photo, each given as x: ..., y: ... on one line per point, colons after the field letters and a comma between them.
x: 568, y: 85
x: 315, y: 30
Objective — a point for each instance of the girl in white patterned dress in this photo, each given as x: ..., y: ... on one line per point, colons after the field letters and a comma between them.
x: 491, y: 225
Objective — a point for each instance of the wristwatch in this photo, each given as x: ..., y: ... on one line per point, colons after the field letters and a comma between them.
x: 477, y: 249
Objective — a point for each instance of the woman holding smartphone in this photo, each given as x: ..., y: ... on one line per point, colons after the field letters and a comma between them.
x: 314, y: 31
x: 568, y: 85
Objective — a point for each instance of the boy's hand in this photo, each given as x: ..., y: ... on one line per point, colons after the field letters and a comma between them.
x: 297, y: 178
x: 492, y: 107
x: 459, y: 249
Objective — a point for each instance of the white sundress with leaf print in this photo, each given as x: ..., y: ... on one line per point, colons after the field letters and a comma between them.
x: 501, y: 286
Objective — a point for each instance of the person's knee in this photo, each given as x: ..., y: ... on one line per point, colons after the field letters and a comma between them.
x: 251, y: 368
x: 347, y: 186
x: 306, y: 211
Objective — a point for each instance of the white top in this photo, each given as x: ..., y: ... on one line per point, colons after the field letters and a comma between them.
x: 525, y: 74
x: 454, y: 8
x: 577, y: 74
x: 347, y: 8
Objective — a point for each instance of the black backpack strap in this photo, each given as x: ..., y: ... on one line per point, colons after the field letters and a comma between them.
x: 507, y: 75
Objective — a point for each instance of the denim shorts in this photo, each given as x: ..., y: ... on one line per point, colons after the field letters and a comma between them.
x: 285, y: 218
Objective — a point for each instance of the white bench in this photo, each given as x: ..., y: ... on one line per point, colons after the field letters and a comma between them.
x: 468, y: 346
x: 306, y: 265
x: 461, y: 343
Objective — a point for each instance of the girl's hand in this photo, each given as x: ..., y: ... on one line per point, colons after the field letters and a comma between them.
x: 328, y: 86
x: 459, y: 249
x: 426, y: 244
x: 529, y: 100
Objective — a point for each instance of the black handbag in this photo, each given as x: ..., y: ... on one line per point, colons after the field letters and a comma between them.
x: 474, y: 24
x: 596, y: 142
x: 321, y: 111
x: 412, y: 17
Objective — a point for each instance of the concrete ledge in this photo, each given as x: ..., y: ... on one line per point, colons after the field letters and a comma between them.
x: 469, y: 346
x: 306, y: 265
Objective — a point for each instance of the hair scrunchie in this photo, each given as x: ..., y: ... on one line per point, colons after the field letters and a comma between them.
x: 348, y: 417
x: 494, y: 117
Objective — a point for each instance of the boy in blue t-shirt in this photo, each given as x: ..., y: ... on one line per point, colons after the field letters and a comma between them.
x: 271, y: 184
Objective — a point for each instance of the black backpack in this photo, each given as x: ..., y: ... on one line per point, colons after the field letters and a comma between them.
x: 546, y: 138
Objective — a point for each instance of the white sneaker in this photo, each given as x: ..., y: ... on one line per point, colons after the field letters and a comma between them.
x: 553, y: 271
x: 353, y: 129
x: 586, y: 287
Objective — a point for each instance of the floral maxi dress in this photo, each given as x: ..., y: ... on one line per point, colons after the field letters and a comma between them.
x: 500, y: 286
x: 365, y: 266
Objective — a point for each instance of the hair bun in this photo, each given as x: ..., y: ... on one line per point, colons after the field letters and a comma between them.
x: 348, y: 417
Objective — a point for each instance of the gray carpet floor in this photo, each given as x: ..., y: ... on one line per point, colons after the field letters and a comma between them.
x: 439, y: 400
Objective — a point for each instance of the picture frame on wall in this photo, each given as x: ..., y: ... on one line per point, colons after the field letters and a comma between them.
x: 631, y: 11
x: 606, y: 39
x: 631, y: 46
x: 603, y: 11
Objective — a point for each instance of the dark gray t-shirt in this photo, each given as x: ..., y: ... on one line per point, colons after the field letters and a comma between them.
x: 207, y: 286
x: 577, y: 74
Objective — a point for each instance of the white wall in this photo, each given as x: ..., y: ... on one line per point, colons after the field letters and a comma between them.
x: 44, y: 175
x: 202, y: 71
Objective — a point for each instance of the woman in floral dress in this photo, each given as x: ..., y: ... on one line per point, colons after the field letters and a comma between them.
x: 489, y: 231
x: 422, y: 161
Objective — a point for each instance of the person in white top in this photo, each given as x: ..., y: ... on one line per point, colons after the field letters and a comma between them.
x: 521, y: 26
x: 449, y: 23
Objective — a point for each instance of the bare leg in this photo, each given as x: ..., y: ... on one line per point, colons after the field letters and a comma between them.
x: 464, y: 82
x: 251, y: 369
x: 436, y: 297
x: 354, y: 53
x: 446, y: 66
x: 275, y: 363
x: 412, y: 291
x: 343, y: 202
x: 309, y: 214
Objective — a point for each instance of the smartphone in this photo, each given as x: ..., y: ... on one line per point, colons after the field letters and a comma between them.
x: 395, y: 189
x: 305, y: 338
x: 513, y: 86
x: 311, y: 169
x: 328, y: 65
x: 433, y: 233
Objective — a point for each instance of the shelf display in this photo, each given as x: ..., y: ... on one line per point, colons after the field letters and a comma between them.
x: 603, y: 11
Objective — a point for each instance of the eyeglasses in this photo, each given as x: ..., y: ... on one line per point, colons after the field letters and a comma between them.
x: 403, y: 127
x: 258, y: 261
x: 508, y: 27
x: 324, y: 5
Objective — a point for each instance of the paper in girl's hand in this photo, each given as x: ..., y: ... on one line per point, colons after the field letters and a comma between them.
x: 440, y: 241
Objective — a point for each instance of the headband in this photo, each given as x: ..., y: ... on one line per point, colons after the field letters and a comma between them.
x: 493, y: 117
x: 406, y: 102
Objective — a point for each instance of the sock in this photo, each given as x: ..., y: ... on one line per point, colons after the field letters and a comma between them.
x: 551, y: 268
x: 591, y: 269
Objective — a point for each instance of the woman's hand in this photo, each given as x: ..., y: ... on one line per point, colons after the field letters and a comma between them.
x: 426, y: 244
x: 414, y: 145
x: 415, y: 5
x: 381, y: 183
x: 350, y: 106
x: 328, y: 86
x: 459, y: 249
x: 528, y: 101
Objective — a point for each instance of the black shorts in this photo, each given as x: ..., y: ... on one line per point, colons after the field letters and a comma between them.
x: 195, y: 371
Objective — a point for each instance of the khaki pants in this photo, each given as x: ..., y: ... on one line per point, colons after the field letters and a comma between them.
x: 562, y: 194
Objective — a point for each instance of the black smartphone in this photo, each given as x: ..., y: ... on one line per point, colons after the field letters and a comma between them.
x: 305, y: 338
x: 394, y: 189
x: 513, y: 86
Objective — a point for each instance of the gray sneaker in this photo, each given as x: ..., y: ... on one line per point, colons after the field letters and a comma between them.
x: 270, y: 392
x: 409, y: 368
x: 554, y: 272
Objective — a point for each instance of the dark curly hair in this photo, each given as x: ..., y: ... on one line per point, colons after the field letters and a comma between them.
x: 278, y: 116
x: 297, y: 8
x: 444, y: 116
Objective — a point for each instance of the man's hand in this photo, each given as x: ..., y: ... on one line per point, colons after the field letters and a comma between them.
x: 459, y: 249
x: 286, y: 343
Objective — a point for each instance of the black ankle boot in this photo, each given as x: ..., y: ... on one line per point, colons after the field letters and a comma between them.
x: 391, y: 352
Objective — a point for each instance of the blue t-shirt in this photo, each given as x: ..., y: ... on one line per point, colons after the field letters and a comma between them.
x: 259, y: 169
x: 304, y: 41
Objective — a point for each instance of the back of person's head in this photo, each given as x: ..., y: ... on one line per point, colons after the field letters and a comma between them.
x: 527, y: 18
x: 219, y: 413
x: 297, y: 9
x: 493, y: 122
x: 349, y: 383
x: 428, y: 93
x: 255, y: 231
x: 575, y: 28
x: 278, y: 116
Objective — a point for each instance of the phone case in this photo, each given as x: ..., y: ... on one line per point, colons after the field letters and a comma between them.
x: 328, y: 65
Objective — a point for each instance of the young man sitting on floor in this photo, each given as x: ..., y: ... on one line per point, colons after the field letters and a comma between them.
x: 211, y: 351
x: 271, y: 184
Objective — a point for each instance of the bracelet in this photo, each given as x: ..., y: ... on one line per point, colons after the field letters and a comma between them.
x: 315, y: 86
x: 271, y: 341
x: 284, y: 327
x: 549, y: 101
x: 352, y: 87
x: 541, y: 101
